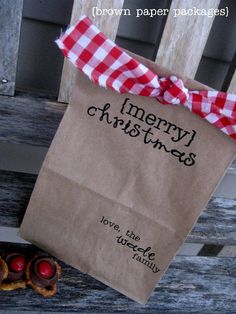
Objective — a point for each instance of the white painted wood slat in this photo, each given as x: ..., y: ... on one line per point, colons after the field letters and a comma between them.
x: 184, y: 37
x: 232, y: 86
x: 106, y: 23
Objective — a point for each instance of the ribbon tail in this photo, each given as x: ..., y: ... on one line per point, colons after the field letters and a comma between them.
x: 203, y: 106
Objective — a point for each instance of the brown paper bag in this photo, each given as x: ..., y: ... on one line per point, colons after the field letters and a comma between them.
x: 123, y: 183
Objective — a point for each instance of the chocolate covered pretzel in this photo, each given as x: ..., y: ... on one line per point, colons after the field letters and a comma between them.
x: 13, y: 266
x: 42, y: 274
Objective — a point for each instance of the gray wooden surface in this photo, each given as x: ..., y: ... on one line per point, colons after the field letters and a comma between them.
x: 31, y: 120
x: 10, y: 22
x: 15, y: 191
x: 216, y: 225
x: 191, y: 285
x: 28, y: 120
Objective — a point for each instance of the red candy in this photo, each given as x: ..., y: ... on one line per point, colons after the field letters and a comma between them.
x: 17, y: 264
x: 45, y: 269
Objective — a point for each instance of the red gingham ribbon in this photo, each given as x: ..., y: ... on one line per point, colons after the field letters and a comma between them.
x: 109, y: 66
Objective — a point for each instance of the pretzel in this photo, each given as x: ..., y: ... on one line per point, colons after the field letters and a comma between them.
x: 3, y: 266
x: 48, y: 291
x: 9, y: 286
x: 6, y: 285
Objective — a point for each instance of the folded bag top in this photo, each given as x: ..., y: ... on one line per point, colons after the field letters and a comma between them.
x: 109, y: 66
x: 126, y: 177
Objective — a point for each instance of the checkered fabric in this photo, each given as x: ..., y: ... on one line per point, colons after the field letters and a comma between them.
x: 109, y: 66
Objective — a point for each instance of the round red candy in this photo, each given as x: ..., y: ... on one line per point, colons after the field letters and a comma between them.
x: 45, y: 269
x: 17, y: 264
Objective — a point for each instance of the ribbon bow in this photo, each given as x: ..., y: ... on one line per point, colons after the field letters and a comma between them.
x: 109, y: 66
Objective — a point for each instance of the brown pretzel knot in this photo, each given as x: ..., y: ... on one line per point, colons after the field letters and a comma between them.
x: 7, y: 285
x: 47, y: 291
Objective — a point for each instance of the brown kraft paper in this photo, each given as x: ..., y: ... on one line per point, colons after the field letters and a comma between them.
x: 123, y: 183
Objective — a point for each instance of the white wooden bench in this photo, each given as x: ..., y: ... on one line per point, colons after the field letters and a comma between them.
x: 201, y: 280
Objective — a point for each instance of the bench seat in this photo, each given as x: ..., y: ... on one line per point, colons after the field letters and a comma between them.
x: 192, y: 284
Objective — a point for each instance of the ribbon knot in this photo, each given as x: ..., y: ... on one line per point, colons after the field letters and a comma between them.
x: 109, y: 66
x: 172, y: 91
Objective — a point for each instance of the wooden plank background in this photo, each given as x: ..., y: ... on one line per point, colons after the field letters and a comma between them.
x: 33, y: 121
x: 216, y: 225
x: 10, y: 22
x: 191, y: 285
x: 232, y: 86
x: 102, y: 22
x: 185, y: 37
x: 26, y: 120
